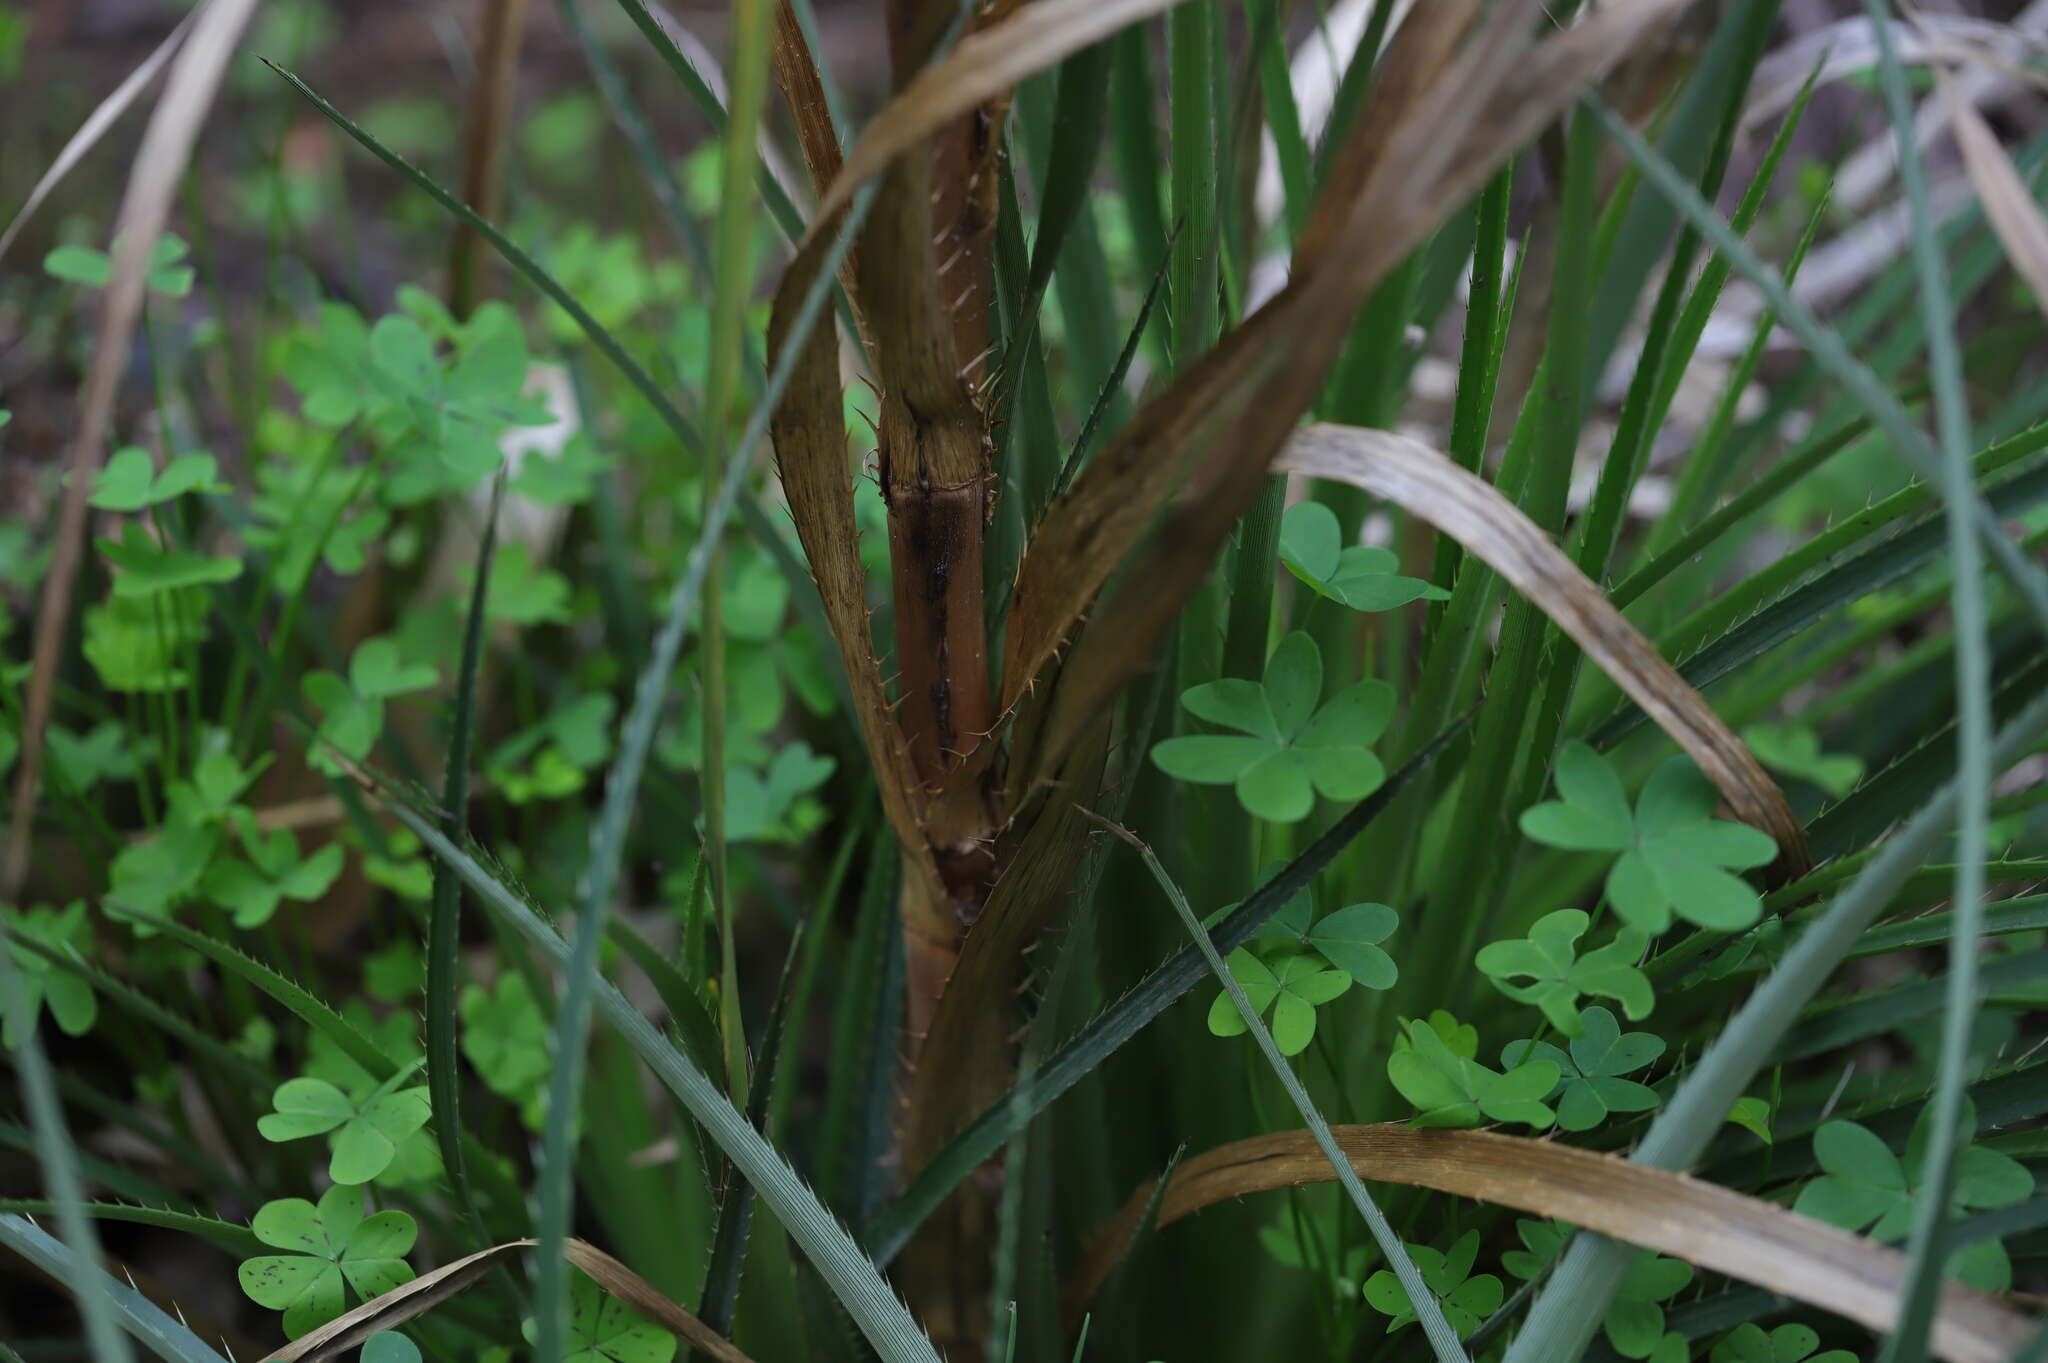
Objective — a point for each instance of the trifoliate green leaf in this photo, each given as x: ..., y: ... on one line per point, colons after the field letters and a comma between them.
x: 333, y: 1248
x: 1289, y: 990
x: 1674, y: 854
x: 1556, y: 976
x: 1287, y: 749
x: 1361, y: 577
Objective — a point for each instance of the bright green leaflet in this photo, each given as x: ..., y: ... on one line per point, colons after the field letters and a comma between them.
x: 333, y: 1248
x: 1674, y: 854
x: 1557, y: 975
x: 1289, y: 989
x: 1433, y: 1068
x: 364, y: 1135
x: 1593, y: 1069
x: 1287, y: 749
x: 1360, y: 576
x: 1867, y: 1188
x: 1467, y: 1298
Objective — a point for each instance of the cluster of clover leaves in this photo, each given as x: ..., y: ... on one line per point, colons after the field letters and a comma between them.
x: 1302, y: 960
x: 1672, y: 859
x: 337, y: 1251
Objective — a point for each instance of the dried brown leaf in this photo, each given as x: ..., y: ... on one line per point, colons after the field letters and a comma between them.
x: 392, y: 1308
x: 796, y: 72
x: 1493, y: 529
x: 2010, y: 206
x: 103, y: 117
x: 429, y: 1290
x: 145, y: 207
x: 1715, y: 1228
x: 1212, y: 434
x: 809, y: 435
x: 980, y: 68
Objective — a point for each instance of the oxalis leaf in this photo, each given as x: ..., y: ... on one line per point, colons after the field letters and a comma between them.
x: 603, y: 1329
x: 1792, y: 1343
x: 130, y: 482
x: 1548, y: 959
x: 1287, y: 749
x: 1432, y: 1067
x: 1360, y: 576
x: 1675, y: 855
x: 1635, y: 1321
x: 1288, y: 990
x: 1867, y: 1188
x: 1467, y: 1298
x: 365, y: 1135
x: 333, y: 1248
x: 1592, y: 1084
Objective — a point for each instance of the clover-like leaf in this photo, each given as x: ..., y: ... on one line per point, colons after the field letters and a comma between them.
x: 365, y: 1135
x: 603, y: 1329
x: 389, y: 1346
x: 1675, y: 856
x: 274, y: 871
x: 1286, y: 750
x: 94, y: 268
x: 1556, y: 975
x: 104, y: 752
x: 1289, y: 989
x: 146, y: 568
x: 1592, y: 1085
x: 40, y: 982
x: 1361, y: 577
x: 1794, y: 750
x: 352, y: 711
x: 1448, y: 1088
x: 524, y: 593
x: 130, y: 482
x: 1752, y: 1114
x: 376, y: 671
x: 1865, y: 1187
x: 1635, y: 1319
x: 1792, y: 1343
x: 155, y: 875
x: 332, y: 1248
x: 1466, y: 1299
x: 1349, y: 940
x: 758, y: 805
x: 506, y: 1038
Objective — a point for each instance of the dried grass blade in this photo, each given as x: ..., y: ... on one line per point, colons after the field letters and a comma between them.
x: 95, y: 127
x: 2008, y: 204
x: 429, y: 1290
x: 1715, y: 1228
x: 1228, y: 414
x: 393, y: 1308
x: 980, y: 67
x: 1432, y: 487
x: 809, y: 433
x: 634, y: 1290
x: 145, y: 206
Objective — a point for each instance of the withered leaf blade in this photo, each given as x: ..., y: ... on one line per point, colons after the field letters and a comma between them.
x: 809, y: 435
x: 1493, y: 529
x: 980, y: 67
x: 393, y: 1308
x: 2010, y: 206
x: 1715, y: 1228
x: 153, y: 180
x: 422, y: 1294
x: 1207, y: 441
